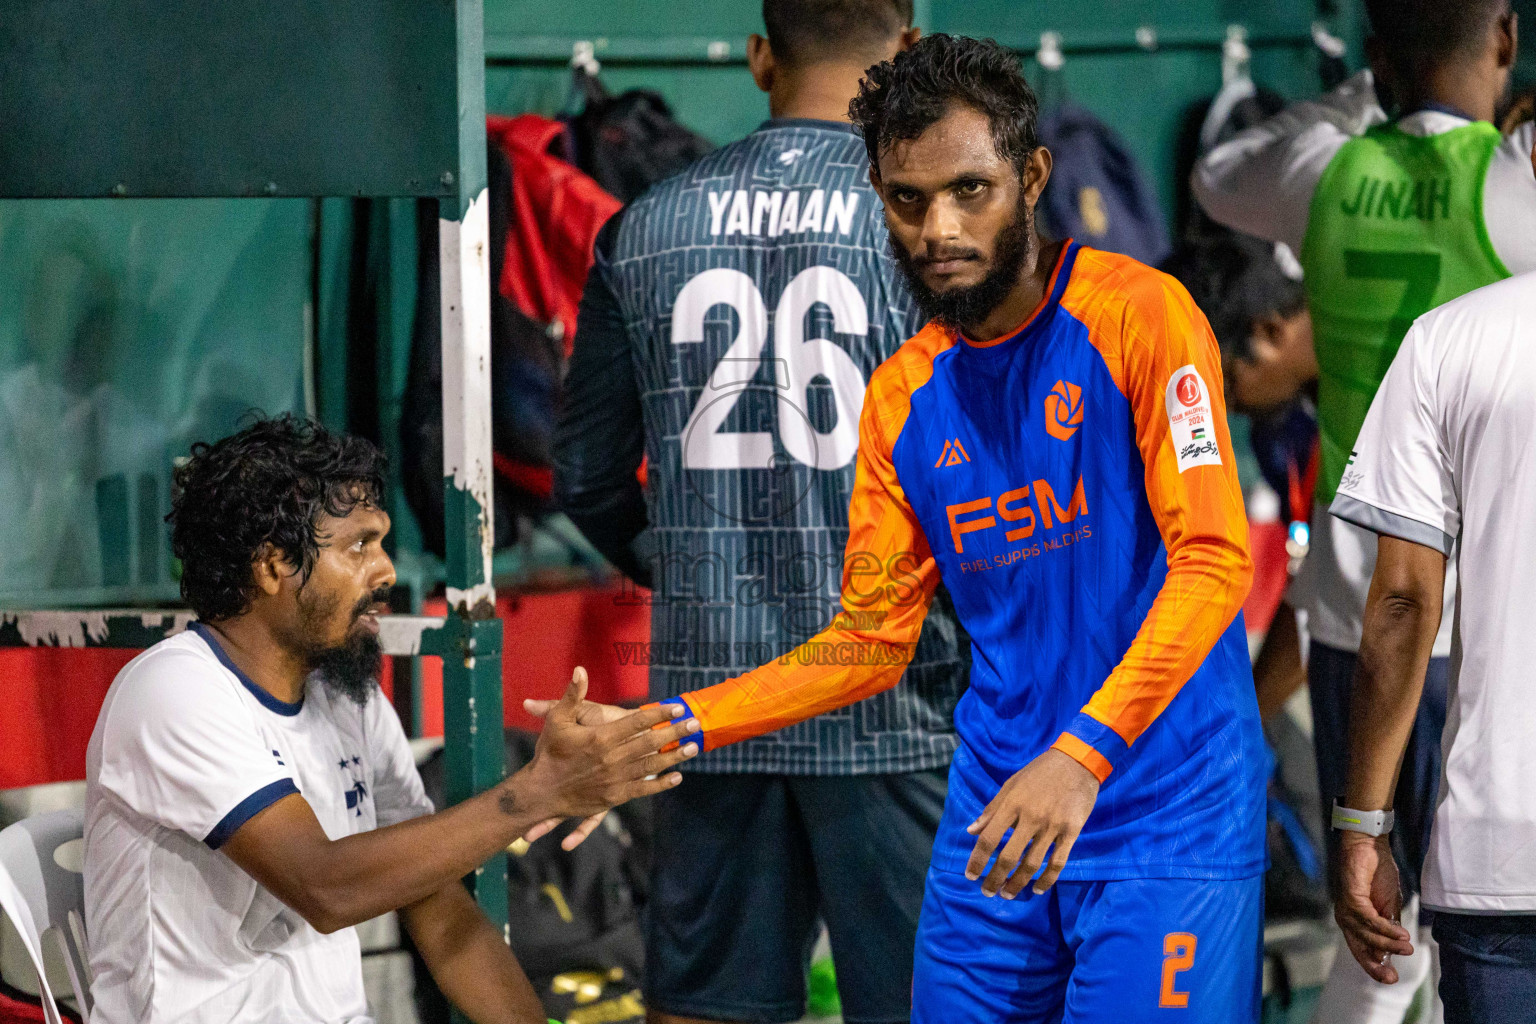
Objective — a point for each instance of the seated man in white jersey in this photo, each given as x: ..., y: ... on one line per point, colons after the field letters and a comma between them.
x: 250, y: 794
x: 1443, y: 466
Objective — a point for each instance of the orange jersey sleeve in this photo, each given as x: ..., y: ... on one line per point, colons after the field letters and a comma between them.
x: 1162, y: 355
x: 889, y: 577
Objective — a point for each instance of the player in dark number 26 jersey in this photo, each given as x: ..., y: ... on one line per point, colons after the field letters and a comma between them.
x: 729, y: 329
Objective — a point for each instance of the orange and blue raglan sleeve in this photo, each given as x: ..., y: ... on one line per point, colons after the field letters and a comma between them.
x: 889, y: 577
x: 1160, y: 349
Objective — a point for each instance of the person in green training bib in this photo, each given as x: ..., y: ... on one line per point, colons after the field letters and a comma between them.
x: 1390, y: 216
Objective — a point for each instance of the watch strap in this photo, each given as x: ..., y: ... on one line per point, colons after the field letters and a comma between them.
x: 1371, y: 823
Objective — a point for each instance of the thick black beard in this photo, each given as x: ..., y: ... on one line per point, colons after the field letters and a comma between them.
x: 963, y: 308
x: 351, y: 670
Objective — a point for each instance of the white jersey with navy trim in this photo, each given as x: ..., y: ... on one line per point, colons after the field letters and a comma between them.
x: 1444, y: 459
x: 186, y: 750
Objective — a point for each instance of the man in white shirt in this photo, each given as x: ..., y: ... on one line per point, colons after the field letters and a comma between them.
x: 250, y: 795
x: 1444, y: 463
x: 1390, y: 218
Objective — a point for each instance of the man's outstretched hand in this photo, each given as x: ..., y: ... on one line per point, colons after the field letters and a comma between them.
x: 1369, y: 904
x: 588, y: 712
x: 592, y: 757
x: 1046, y: 804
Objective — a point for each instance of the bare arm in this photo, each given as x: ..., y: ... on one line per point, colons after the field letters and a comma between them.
x: 577, y: 770
x: 1402, y: 615
x: 1278, y: 671
x: 470, y: 960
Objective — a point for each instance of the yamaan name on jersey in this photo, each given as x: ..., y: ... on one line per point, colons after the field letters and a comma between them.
x: 759, y: 212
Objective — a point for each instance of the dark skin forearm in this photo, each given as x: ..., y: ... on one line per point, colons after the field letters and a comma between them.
x: 1402, y: 616
x: 1278, y: 671
x: 576, y: 771
x: 358, y: 877
x: 469, y: 960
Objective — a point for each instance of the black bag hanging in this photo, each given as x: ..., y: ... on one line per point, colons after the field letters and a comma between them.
x: 1097, y: 193
x: 630, y: 141
x: 1295, y: 884
x: 1206, y: 125
x: 527, y: 366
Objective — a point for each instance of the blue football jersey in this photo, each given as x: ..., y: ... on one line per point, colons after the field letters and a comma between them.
x: 1073, y: 485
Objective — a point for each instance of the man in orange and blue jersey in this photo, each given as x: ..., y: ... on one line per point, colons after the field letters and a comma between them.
x: 1052, y: 446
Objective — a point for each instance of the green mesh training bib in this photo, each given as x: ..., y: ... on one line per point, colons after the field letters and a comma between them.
x: 1396, y: 229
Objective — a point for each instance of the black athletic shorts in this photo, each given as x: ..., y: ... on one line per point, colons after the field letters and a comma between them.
x: 748, y: 866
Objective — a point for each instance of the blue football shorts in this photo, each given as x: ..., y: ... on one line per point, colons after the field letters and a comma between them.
x: 1106, y: 952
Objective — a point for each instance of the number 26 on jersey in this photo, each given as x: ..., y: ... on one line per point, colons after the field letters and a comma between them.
x: 797, y: 362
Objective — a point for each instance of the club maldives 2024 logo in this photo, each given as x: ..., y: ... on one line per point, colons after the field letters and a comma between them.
x: 1191, y: 419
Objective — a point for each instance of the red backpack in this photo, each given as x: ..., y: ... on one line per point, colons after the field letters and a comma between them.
x: 553, y: 219
x: 544, y: 218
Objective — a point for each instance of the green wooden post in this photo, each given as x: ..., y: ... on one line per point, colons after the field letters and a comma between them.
x: 472, y: 717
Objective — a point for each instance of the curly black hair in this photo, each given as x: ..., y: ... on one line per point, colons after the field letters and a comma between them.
x: 270, y: 482
x: 902, y: 98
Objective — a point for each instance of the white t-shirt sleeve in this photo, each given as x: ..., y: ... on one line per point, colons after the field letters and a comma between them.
x: 1399, y: 478
x: 1261, y: 181
x: 180, y: 748
x: 398, y: 794
x: 1509, y: 201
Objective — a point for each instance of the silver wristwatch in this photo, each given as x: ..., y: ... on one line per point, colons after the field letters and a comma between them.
x: 1372, y: 823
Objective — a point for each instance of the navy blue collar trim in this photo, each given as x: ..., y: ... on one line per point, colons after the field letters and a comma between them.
x: 1441, y: 108
x: 271, y: 703
x: 1064, y: 275
x: 806, y: 122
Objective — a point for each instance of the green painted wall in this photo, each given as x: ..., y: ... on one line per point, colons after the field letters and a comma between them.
x: 227, y: 285
x: 1525, y: 68
x: 662, y: 45
x: 295, y: 98
x: 128, y: 330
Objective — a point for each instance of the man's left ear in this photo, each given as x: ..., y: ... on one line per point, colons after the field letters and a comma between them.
x: 1267, y: 338
x: 1509, y: 38
x: 269, y: 568
x: 1037, y: 171
x: 760, y: 61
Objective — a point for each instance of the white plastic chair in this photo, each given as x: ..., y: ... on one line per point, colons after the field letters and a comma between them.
x: 42, y: 891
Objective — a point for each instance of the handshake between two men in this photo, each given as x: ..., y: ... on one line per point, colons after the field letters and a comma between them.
x: 589, y: 758
x: 608, y: 755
